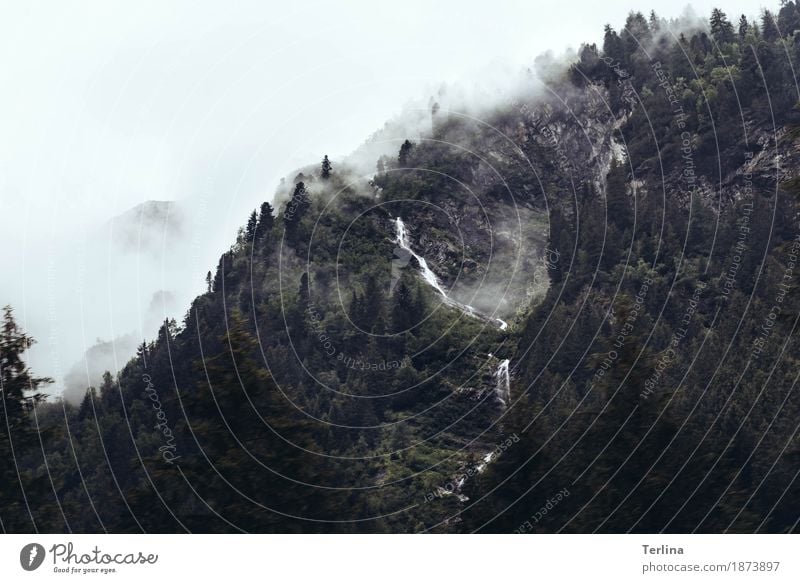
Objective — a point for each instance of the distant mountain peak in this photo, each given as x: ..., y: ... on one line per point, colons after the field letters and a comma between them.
x: 147, y: 225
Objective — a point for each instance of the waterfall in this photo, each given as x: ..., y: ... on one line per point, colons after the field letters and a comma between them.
x: 502, y: 390
x: 401, y: 238
x: 503, y: 382
x: 487, y: 459
x: 427, y: 274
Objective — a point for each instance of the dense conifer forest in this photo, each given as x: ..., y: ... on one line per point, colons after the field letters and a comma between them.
x: 574, y: 311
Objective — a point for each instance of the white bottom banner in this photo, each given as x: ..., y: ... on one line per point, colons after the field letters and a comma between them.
x: 369, y: 558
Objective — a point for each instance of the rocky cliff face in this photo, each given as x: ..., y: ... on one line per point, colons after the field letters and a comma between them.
x: 476, y: 194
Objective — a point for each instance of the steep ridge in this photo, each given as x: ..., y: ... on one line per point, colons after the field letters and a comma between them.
x: 322, y: 385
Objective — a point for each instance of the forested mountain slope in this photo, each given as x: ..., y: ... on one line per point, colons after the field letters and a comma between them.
x: 573, y: 311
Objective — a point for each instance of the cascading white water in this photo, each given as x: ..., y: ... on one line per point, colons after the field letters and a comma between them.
x: 487, y: 459
x: 502, y: 377
x: 503, y: 382
x: 401, y: 238
x: 427, y: 274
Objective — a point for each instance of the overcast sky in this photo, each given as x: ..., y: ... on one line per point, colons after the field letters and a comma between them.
x: 108, y: 104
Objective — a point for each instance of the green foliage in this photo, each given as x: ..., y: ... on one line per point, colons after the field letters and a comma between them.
x: 320, y: 386
x: 19, y: 394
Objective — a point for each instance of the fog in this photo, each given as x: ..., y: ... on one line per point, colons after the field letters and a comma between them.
x: 108, y: 105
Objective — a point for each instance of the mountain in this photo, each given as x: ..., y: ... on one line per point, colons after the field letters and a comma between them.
x: 571, y: 310
x: 147, y: 227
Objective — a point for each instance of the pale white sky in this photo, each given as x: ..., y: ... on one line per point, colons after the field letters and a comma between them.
x: 108, y: 104
x: 116, y: 102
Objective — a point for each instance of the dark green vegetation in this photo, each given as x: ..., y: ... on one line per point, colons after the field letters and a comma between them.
x: 321, y: 386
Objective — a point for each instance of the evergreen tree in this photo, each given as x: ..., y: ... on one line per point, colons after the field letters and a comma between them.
x: 265, y: 221
x: 405, y: 153
x: 19, y: 390
x: 613, y: 47
x: 356, y: 309
x: 636, y: 33
x: 769, y: 28
x: 402, y: 308
x: 304, y: 291
x: 326, y: 168
x: 295, y: 211
x: 655, y: 22
x: 250, y: 230
x: 789, y: 18
x: 743, y: 28
x: 373, y: 304
x: 721, y: 28
x: 619, y: 209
